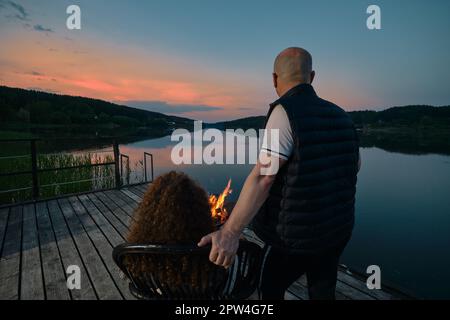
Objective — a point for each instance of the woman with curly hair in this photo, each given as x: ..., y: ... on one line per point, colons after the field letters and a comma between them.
x: 174, y: 210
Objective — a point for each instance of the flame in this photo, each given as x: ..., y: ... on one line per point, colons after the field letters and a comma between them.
x: 218, y: 212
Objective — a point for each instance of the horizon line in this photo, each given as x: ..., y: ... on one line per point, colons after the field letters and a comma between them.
x: 40, y: 90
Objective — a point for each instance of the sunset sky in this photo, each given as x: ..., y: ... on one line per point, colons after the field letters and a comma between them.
x: 212, y: 60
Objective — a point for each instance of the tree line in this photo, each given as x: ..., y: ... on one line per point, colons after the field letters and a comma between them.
x: 20, y: 106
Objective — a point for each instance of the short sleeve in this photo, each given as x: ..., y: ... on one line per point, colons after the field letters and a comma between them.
x: 278, y: 139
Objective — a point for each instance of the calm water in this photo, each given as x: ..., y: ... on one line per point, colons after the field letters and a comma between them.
x: 402, y: 219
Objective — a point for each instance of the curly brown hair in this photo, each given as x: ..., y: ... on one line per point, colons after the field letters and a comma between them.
x: 174, y: 210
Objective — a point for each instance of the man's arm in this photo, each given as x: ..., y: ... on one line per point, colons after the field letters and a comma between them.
x: 255, y: 191
x: 276, y: 148
x: 254, y: 194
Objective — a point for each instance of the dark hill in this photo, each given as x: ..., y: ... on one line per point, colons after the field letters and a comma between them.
x: 19, y: 107
x: 407, y: 116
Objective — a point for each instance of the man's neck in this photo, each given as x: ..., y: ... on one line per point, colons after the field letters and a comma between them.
x: 290, y: 86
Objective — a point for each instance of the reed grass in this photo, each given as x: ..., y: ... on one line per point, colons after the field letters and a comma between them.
x: 56, y: 182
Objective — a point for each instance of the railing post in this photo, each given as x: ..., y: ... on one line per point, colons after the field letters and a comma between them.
x: 34, y: 169
x: 128, y: 168
x: 145, y: 165
x: 152, y: 167
x: 116, y: 163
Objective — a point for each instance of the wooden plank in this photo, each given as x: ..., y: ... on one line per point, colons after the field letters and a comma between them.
x: 114, y: 208
x: 32, y: 287
x: 11, y: 256
x: 69, y: 253
x: 126, y: 205
x: 116, y: 197
x: 101, y: 280
x: 52, y: 267
x: 302, y: 281
x: 351, y: 292
x: 300, y: 291
x: 131, y: 195
x: 94, y: 204
x: 136, y: 191
x: 114, y: 236
x: 131, y: 201
x: 358, y: 284
x: 143, y: 187
x: 104, y: 240
x: 288, y: 295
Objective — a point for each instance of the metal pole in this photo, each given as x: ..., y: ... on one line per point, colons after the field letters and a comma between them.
x: 116, y: 163
x: 121, y: 164
x: 152, y: 166
x: 34, y: 169
x: 145, y: 167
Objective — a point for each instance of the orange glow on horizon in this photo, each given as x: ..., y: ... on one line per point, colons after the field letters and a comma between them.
x: 111, y: 73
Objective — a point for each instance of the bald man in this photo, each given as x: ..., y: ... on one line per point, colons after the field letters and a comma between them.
x: 303, y: 210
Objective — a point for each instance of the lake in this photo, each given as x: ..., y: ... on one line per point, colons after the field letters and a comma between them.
x: 402, y: 211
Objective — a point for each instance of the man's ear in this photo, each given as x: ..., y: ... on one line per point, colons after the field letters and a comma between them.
x: 313, y: 75
x: 275, y: 80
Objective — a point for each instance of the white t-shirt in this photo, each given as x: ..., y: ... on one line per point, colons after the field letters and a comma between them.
x: 278, y: 120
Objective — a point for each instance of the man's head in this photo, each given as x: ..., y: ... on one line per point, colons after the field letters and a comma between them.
x: 293, y: 66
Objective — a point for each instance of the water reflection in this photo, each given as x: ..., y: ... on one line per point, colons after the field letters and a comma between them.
x: 212, y: 177
x: 403, y: 221
x: 408, y: 141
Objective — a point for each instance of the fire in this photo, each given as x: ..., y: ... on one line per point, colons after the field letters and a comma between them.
x: 218, y: 212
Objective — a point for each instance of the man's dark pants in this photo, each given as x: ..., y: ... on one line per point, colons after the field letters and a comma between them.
x: 281, y: 269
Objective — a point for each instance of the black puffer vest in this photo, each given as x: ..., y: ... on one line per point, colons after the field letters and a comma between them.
x: 311, y: 204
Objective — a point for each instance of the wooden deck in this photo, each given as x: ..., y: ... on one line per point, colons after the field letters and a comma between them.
x: 38, y: 241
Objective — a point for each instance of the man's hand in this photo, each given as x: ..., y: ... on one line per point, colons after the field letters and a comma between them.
x: 224, y: 245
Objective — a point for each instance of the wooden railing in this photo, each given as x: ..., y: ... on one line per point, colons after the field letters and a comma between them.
x: 35, y: 170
